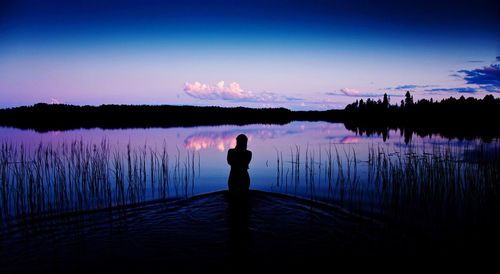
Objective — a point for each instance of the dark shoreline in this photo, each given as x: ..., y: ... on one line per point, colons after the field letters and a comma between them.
x: 451, y: 118
x: 44, y: 117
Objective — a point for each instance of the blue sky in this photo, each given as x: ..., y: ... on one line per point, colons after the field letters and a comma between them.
x: 296, y: 54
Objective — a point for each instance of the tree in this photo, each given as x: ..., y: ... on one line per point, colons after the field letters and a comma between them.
x: 361, y: 104
x: 408, y: 99
x: 386, y: 101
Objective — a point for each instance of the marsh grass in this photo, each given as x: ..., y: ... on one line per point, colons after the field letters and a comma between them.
x: 74, y: 176
x: 423, y: 185
x: 436, y: 186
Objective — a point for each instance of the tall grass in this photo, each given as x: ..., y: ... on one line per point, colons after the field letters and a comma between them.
x: 415, y: 184
x: 75, y: 176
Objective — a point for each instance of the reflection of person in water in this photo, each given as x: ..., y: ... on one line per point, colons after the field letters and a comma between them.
x: 239, y: 158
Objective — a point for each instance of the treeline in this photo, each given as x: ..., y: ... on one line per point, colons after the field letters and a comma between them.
x: 451, y: 117
x: 45, y: 117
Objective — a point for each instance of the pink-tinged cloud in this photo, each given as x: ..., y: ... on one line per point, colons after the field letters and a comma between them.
x: 220, y: 91
x: 350, y: 92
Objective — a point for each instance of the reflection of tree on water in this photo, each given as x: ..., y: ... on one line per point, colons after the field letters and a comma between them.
x: 383, y: 131
x: 409, y: 132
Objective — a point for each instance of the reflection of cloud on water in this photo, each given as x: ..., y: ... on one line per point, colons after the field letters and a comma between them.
x: 438, y: 142
x: 227, y: 139
x: 350, y: 140
x: 482, y: 153
x: 342, y: 139
x: 223, y: 139
x: 211, y: 139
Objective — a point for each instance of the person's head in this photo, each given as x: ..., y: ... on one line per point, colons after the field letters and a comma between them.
x: 241, y: 141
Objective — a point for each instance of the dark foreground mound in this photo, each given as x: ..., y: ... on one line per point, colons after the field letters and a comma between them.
x: 207, y: 232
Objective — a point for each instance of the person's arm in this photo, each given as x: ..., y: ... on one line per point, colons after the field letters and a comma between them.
x: 230, y: 157
x: 249, y: 158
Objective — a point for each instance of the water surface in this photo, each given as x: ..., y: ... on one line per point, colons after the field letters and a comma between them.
x: 300, y: 158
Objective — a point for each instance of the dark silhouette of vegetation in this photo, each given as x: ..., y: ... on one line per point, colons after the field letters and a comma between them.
x: 47, y: 117
x: 452, y: 118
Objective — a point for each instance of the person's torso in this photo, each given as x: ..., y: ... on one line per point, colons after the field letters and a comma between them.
x: 239, y: 159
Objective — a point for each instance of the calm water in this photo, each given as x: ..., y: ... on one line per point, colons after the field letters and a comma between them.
x: 429, y: 195
x: 300, y: 158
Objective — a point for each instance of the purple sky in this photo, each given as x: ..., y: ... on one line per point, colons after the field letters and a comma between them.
x: 296, y: 54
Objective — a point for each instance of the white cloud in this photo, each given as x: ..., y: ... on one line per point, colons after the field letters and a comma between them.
x: 220, y: 91
x: 232, y: 92
x: 350, y: 92
x: 55, y: 101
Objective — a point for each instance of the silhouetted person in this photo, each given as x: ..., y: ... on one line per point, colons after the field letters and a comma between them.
x: 239, y: 158
x: 238, y: 217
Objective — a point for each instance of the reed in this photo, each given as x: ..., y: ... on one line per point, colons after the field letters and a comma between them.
x: 413, y: 184
x: 55, y: 178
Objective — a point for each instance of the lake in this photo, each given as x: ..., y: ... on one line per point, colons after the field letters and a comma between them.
x: 316, y: 160
x: 73, y: 200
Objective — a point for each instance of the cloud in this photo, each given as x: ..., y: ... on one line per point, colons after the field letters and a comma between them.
x: 353, y: 93
x: 491, y: 88
x: 459, y: 90
x: 231, y: 92
x: 487, y: 77
x: 219, y: 91
x: 350, y: 92
x: 291, y: 99
x: 404, y: 87
x: 55, y: 101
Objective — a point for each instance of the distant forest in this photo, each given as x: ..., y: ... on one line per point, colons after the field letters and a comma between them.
x: 451, y: 117
x: 46, y: 117
x: 460, y: 118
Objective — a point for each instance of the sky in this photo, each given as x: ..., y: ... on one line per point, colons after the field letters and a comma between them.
x: 303, y: 55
